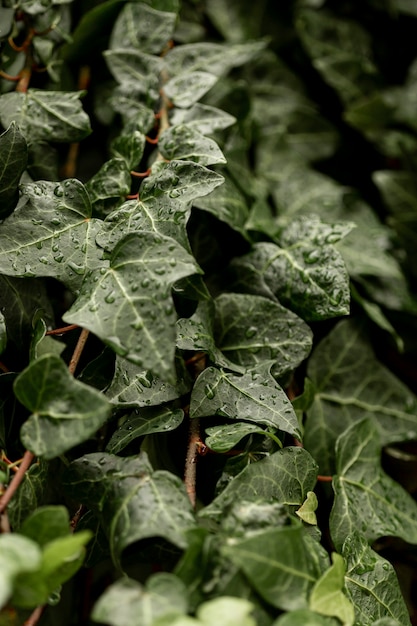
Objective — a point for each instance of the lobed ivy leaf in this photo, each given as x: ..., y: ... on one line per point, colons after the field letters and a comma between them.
x: 327, y: 597
x: 128, y: 603
x: 152, y: 420
x: 284, y: 477
x: 13, y: 161
x: 34, y: 490
x: 142, y: 27
x: 52, y: 234
x: 250, y: 330
x: 365, y: 497
x: 57, y: 423
x: 130, y: 148
x: 132, y: 501
x: 202, y: 117
x: 134, y: 67
x: 372, y: 584
x: 187, y: 88
x: 109, y: 186
x: 55, y: 116
x: 223, y: 438
x: 129, y: 305
x: 282, y: 564
x: 352, y: 384
x: 185, y: 143
x: 307, y: 511
x: 253, y: 396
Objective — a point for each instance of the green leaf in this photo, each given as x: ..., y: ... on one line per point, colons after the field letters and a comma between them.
x: 133, y: 67
x: 109, y: 186
x: 46, y: 524
x: 250, y: 330
x: 46, y: 115
x: 284, y: 477
x: 305, y: 271
x: 187, y: 88
x: 128, y: 603
x: 152, y: 420
x: 327, y: 597
x: 186, y: 143
x: 130, y: 148
x: 52, y: 234
x: 254, y: 397
x: 3, y: 333
x: 307, y: 511
x: 210, y: 57
x: 372, y: 584
x: 226, y: 610
x: 143, y: 28
x: 365, y: 497
x: 305, y: 617
x: 223, y: 438
x: 132, y: 501
x: 17, y: 554
x: 6, y: 21
x: 13, y: 161
x: 35, y: 489
x: 129, y: 305
x: 281, y: 564
x: 58, y: 422
x: 203, y: 118
x: 351, y: 384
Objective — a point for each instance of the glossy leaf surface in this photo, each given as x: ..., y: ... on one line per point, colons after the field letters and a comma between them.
x: 13, y: 161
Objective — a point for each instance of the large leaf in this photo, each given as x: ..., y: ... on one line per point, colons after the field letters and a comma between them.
x: 52, y: 234
x: 352, y: 384
x: 254, y: 397
x: 142, y: 27
x: 13, y: 160
x: 46, y: 115
x: 284, y: 477
x: 371, y: 583
x: 132, y: 501
x: 186, y: 143
x: 57, y: 422
x: 250, y: 329
x: 129, y: 305
x: 365, y: 497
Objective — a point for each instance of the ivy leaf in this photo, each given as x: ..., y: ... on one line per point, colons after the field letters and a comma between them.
x: 223, y: 438
x: 46, y: 115
x: 128, y: 603
x: 365, y: 497
x: 132, y: 501
x: 52, y: 234
x: 152, y: 420
x: 133, y: 67
x: 3, y: 333
x: 186, y: 143
x: 187, y: 88
x: 302, y: 617
x: 13, y: 161
x: 129, y: 305
x: 282, y: 565
x: 36, y: 487
x: 109, y: 186
x: 203, y: 118
x: 285, y: 477
x: 46, y: 524
x: 307, y: 511
x: 228, y: 204
x: 59, y: 422
x: 327, y: 597
x: 372, y: 584
x: 250, y: 329
x: 143, y: 28
x: 305, y: 271
x: 254, y: 397
x: 352, y: 384
x: 17, y: 554
x: 130, y: 148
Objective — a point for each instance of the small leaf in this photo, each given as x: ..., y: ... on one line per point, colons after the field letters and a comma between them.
x: 133, y: 67
x: 187, y: 88
x: 109, y: 186
x: 3, y: 333
x: 254, y: 397
x: 365, y: 497
x: 13, y: 161
x: 58, y: 422
x: 46, y: 115
x: 129, y: 305
x: 185, y: 143
x: 130, y: 148
x: 17, y: 554
x: 327, y: 595
x: 226, y: 611
x: 142, y: 27
x: 307, y: 511
x: 302, y: 617
x: 203, y: 118
x: 223, y: 438
x: 285, y: 477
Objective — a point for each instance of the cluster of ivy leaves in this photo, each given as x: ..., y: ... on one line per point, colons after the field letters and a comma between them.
x: 237, y: 236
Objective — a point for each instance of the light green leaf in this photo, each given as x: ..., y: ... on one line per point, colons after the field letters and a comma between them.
x: 305, y: 617
x: 184, y: 142
x: 365, y: 497
x: 250, y: 329
x: 13, y: 161
x: 327, y: 597
x: 285, y: 477
x: 46, y: 523
x: 52, y: 234
x: 226, y: 611
x: 129, y: 305
x: 372, y: 585
x: 111, y: 184
x: 58, y: 422
x: 187, y: 88
x: 46, y: 115
x: 17, y: 554
x: 254, y: 397
x: 143, y: 28
x: 152, y: 420
x: 128, y: 603
x: 223, y: 438
x: 307, y: 511
x: 282, y: 565
x: 352, y: 384
x: 203, y: 118
x: 132, y: 501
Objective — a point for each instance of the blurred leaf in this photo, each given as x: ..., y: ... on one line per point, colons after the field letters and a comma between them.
x: 203, y: 118
x: 304, y: 617
x: 17, y: 554
x: 46, y: 524
x: 186, y: 143
x: 327, y: 597
x: 133, y: 67
x: 228, y: 204
x: 141, y: 27
x: 187, y: 88
x: 130, y: 148
x: 3, y: 333
x: 13, y: 161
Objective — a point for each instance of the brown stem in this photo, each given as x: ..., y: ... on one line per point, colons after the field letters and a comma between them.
x: 61, y: 331
x: 324, y: 479
x: 35, y: 616
x: 190, y: 472
x: 17, y: 479
x: 82, y: 340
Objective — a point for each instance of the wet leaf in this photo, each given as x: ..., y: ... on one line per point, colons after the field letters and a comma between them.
x: 203, y: 118
x: 132, y: 501
x: 228, y: 204
x: 254, y: 397
x: 110, y: 185
x: 130, y: 148
x: 57, y: 423
x: 367, y: 499
x: 13, y: 161
x: 184, y: 142
x: 223, y: 438
x: 134, y: 67
x: 210, y: 57
x: 327, y: 597
x: 129, y: 305
x: 141, y: 27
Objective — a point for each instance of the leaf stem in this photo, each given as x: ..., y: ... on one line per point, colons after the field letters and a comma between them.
x: 17, y: 479
x: 190, y: 472
x: 61, y: 331
x: 35, y: 616
x: 82, y: 340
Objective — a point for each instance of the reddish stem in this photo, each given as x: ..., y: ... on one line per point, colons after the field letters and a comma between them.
x: 61, y: 331
x: 17, y: 479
